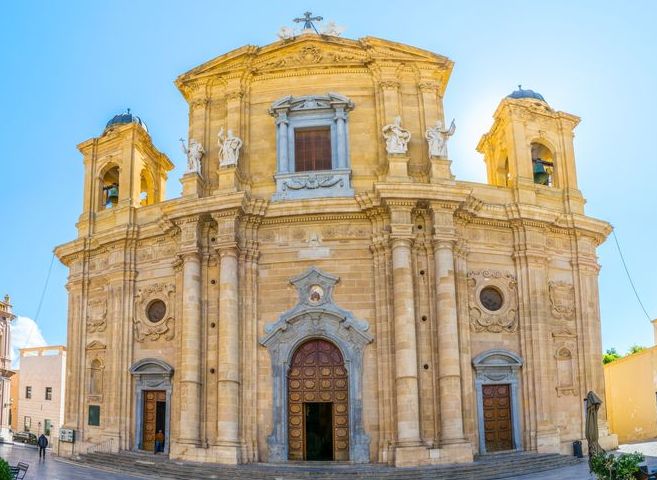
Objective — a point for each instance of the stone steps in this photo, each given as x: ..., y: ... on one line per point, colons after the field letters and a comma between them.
x: 485, y: 468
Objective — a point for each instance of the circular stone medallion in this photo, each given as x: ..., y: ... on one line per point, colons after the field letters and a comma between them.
x: 491, y: 298
x: 156, y: 311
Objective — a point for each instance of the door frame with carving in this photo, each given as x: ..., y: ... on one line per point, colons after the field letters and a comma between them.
x: 151, y: 374
x: 316, y: 316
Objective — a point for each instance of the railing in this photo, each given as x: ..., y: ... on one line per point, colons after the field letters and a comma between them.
x: 102, y: 447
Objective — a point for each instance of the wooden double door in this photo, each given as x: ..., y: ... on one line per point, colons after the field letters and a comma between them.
x: 498, y: 429
x: 318, y: 403
x: 155, y: 410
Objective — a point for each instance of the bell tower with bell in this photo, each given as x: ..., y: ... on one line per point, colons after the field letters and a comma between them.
x: 122, y: 171
x: 529, y: 149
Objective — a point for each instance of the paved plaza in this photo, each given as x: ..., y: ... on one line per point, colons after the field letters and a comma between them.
x: 54, y: 469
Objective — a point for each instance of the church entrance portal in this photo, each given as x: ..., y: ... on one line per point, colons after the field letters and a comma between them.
x: 318, y: 397
x: 154, y: 416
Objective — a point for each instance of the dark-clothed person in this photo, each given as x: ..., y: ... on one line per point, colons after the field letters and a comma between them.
x: 42, y: 442
x: 159, y: 442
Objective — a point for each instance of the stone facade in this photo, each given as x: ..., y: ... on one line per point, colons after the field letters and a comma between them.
x: 6, y: 373
x: 205, y: 298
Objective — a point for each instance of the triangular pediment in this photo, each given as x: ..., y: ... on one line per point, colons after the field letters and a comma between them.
x: 96, y: 345
x: 311, y: 50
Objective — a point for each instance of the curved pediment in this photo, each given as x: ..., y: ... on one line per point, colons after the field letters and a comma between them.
x: 312, y: 51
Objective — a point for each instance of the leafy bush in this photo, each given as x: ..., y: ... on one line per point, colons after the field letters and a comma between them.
x: 5, y: 473
x: 611, y: 467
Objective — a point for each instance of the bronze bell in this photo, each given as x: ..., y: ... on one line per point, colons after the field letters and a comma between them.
x: 112, y: 193
x: 541, y: 176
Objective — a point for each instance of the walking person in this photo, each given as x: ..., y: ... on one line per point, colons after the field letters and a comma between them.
x: 42, y: 442
x: 159, y: 442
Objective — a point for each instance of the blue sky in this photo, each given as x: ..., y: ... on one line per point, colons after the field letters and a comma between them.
x: 67, y: 67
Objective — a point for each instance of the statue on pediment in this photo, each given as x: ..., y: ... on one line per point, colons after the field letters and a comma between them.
x: 396, y: 137
x: 437, y: 138
x: 194, y: 154
x: 229, y: 148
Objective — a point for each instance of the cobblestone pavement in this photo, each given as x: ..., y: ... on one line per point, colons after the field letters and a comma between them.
x: 52, y: 469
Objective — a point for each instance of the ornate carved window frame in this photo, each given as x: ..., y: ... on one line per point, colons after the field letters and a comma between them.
x: 166, y: 327
x: 151, y: 374
x: 329, y: 110
x: 314, y: 317
x: 496, y: 367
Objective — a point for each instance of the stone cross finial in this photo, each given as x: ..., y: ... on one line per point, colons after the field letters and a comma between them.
x: 308, y: 20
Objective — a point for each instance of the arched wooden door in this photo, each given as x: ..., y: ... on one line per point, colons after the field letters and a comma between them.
x: 318, y: 401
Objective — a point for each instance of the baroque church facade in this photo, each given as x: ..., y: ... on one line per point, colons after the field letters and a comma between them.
x: 324, y: 288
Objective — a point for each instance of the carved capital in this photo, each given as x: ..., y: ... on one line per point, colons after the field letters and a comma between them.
x: 389, y: 85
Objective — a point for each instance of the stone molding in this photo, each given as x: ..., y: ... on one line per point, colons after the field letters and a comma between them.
x: 504, y: 320
x: 145, y: 329
x: 316, y: 316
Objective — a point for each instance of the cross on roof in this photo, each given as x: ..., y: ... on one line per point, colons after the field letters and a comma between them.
x: 308, y: 20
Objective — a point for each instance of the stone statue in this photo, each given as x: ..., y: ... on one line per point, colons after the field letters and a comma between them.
x: 396, y: 137
x: 437, y: 139
x: 285, y: 33
x: 194, y: 154
x: 332, y: 29
x: 229, y: 148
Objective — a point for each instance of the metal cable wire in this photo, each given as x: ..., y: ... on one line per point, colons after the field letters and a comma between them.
x: 629, y: 277
x: 45, y: 287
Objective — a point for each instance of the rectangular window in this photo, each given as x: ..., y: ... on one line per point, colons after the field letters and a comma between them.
x: 27, y: 423
x: 94, y: 415
x: 47, y: 425
x: 28, y: 392
x: 312, y: 149
x: 48, y: 393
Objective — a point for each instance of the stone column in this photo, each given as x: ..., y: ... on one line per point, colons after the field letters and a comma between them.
x: 282, y: 123
x: 342, y: 138
x: 228, y: 379
x: 449, y: 369
x: 190, y: 367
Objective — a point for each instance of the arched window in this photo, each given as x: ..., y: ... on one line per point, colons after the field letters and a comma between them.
x: 543, y: 164
x: 565, y: 372
x: 110, y: 188
x: 146, y: 189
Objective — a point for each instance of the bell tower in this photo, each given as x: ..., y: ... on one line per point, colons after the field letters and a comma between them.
x: 529, y: 149
x: 122, y: 171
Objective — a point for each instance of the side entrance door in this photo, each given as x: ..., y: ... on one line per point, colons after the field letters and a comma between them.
x: 154, y: 417
x: 497, y: 417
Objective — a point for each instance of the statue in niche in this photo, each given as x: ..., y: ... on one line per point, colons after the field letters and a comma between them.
x: 194, y: 154
x: 396, y: 137
x: 437, y: 138
x: 229, y: 148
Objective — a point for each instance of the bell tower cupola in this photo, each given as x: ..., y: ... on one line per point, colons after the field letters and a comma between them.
x: 123, y: 171
x: 529, y: 149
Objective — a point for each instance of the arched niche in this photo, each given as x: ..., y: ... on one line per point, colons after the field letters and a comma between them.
x: 109, y: 183
x: 316, y: 316
x: 151, y: 374
x: 147, y: 192
x: 498, y: 367
x: 542, y: 163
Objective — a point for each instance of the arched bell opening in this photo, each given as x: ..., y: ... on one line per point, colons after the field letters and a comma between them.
x: 318, y: 403
x: 543, y: 164
x: 146, y: 189
x: 109, y: 187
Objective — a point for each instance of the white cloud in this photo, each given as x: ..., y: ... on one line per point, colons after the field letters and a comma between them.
x: 24, y: 333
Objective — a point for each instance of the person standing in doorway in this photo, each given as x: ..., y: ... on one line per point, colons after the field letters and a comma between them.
x: 159, y: 442
x: 42, y: 442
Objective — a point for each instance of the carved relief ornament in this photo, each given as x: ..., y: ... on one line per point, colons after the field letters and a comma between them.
x: 562, y: 300
x: 97, y: 313
x: 505, y: 318
x: 149, y: 328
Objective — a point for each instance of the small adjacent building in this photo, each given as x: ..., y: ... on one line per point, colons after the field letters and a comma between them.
x: 631, y: 392
x: 41, y: 390
x: 6, y: 316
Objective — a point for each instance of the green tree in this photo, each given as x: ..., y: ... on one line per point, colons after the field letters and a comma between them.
x: 610, y: 355
x: 5, y: 473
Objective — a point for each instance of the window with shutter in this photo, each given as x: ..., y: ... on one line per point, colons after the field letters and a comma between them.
x: 312, y: 149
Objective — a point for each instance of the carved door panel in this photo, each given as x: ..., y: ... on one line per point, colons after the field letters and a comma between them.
x: 497, y: 417
x: 318, y: 375
x: 151, y: 400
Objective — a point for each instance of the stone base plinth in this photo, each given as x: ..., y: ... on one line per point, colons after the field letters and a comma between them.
x: 452, y: 453
x: 192, y: 184
x: 223, y: 454
x: 229, y: 180
x: 398, y: 168
x: 441, y: 171
x: 411, y: 456
x: 548, y: 441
